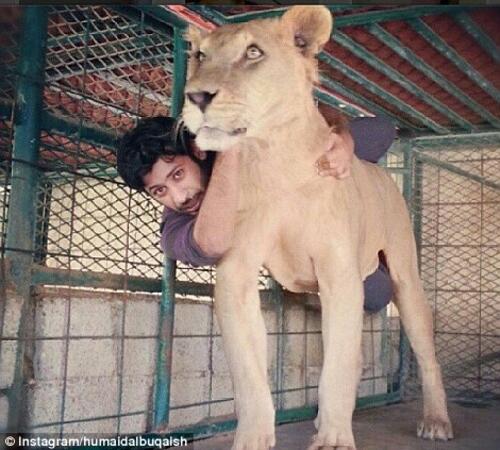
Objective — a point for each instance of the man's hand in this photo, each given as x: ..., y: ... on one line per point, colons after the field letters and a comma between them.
x: 337, y: 159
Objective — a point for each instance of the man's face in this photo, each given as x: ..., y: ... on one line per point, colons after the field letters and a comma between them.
x: 177, y: 182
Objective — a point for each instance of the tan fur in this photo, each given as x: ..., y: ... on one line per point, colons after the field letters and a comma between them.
x: 312, y: 233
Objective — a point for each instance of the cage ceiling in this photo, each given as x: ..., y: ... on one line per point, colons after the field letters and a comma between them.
x: 433, y: 69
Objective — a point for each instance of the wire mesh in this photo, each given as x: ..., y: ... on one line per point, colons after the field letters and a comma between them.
x: 105, y: 67
x: 5, y: 154
x: 97, y: 225
x: 82, y: 347
x: 9, y: 52
x: 457, y: 226
x: 10, y: 26
x: 105, y: 70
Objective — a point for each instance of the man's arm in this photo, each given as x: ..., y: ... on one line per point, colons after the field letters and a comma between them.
x: 177, y: 240
x: 337, y: 159
x: 201, y: 240
x: 367, y: 137
x: 216, y: 219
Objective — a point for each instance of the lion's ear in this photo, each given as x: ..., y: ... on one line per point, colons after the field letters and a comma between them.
x: 310, y: 27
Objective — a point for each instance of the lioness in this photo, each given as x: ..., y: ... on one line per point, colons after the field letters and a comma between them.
x: 251, y: 84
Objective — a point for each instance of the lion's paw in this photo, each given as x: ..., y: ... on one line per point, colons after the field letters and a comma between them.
x: 254, y: 442
x: 255, y: 438
x: 435, y: 428
x: 333, y: 440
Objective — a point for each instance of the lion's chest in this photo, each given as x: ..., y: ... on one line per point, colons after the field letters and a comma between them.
x: 289, y: 228
x: 291, y: 262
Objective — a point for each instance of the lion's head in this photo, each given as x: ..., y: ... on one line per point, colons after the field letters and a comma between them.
x: 246, y: 79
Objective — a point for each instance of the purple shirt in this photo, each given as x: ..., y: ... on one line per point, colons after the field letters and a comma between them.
x: 177, y: 239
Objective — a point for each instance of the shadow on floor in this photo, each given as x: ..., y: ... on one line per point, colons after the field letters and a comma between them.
x: 393, y: 428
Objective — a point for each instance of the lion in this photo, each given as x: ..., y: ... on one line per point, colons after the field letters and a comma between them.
x: 251, y: 84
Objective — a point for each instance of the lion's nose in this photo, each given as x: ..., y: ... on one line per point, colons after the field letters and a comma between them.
x: 202, y: 99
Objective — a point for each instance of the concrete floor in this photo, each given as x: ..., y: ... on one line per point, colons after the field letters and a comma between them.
x: 393, y: 428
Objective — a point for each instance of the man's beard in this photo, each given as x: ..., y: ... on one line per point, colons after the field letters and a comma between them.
x: 192, y: 204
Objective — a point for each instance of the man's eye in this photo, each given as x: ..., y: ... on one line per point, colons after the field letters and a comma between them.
x: 159, y: 192
x: 254, y: 52
x: 178, y: 174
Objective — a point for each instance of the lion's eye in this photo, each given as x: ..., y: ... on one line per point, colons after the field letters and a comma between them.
x: 199, y: 55
x: 254, y: 52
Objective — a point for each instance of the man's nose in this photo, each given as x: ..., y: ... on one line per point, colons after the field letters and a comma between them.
x: 201, y: 98
x: 179, y: 197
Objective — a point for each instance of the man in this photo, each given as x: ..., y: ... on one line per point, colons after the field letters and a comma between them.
x: 199, y: 190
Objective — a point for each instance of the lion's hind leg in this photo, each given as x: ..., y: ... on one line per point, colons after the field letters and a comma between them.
x: 416, y: 317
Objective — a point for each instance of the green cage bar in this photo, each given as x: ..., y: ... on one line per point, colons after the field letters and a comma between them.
x: 375, y: 62
x: 478, y: 34
x: 24, y: 179
x: 375, y: 89
x: 167, y: 305
x: 404, y: 52
x: 439, y: 44
x: 370, y: 106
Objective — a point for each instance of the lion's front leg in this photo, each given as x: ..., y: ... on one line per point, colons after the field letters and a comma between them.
x: 341, y: 294
x: 237, y: 306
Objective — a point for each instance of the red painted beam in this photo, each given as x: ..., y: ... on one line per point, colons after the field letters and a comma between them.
x: 191, y: 17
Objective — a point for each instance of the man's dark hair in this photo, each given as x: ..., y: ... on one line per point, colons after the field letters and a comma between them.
x: 151, y: 139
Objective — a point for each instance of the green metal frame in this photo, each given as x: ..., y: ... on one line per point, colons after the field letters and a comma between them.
x: 203, y: 430
x: 479, y: 35
x: 407, y: 13
x: 439, y: 44
x: 166, y: 319
x: 358, y: 50
x: 456, y: 170
x: 66, y: 127
x: 22, y: 211
x: 150, y: 19
x: 336, y: 103
x: 456, y: 140
x: 370, y: 106
x: 86, y: 133
x: 162, y: 15
x: 363, y: 18
x: 375, y: 89
x: 405, y: 53
x: 406, y: 147
x: 63, y: 277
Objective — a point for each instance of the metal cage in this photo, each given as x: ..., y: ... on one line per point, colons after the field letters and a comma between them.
x: 89, y: 342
